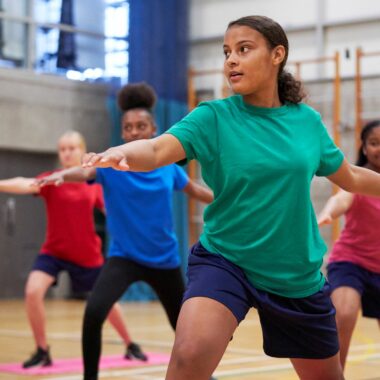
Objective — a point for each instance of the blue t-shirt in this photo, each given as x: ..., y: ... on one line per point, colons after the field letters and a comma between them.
x: 140, y: 214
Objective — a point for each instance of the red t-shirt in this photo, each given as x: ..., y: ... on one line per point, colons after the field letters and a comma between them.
x: 70, y: 231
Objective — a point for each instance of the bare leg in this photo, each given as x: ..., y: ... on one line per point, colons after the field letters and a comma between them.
x: 318, y: 369
x: 347, y: 302
x: 203, y: 332
x: 36, y: 287
x: 115, y: 317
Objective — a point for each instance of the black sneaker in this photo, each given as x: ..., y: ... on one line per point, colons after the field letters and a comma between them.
x: 39, y: 358
x: 134, y: 352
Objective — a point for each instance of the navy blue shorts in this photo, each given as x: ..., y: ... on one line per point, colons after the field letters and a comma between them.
x: 82, y: 278
x: 367, y: 283
x: 292, y: 327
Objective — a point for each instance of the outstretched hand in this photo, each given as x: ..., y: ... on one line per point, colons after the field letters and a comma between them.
x: 324, y: 219
x: 111, y: 158
x: 52, y: 179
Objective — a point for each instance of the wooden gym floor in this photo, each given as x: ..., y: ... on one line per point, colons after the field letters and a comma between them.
x: 147, y: 323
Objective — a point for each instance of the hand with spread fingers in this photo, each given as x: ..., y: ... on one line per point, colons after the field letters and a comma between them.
x: 111, y: 158
x: 52, y: 179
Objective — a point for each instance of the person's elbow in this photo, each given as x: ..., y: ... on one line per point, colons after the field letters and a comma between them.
x: 209, y: 196
x: 199, y: 192
x: 346, y: 177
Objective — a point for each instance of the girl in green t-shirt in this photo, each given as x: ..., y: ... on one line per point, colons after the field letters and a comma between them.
x: 259, y: 151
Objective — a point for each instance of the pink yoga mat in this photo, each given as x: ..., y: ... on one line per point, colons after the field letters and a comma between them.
x: 61, y: 366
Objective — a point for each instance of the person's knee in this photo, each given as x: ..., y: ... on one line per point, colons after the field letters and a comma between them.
x: 34, y: 292
x: 187, y: 353
x: 94, y: 314
x: 346, y: 315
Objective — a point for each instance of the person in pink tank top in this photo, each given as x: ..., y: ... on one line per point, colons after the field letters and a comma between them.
x: 354, y: 263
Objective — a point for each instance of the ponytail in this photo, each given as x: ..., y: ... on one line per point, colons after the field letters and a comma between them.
x: 289, y: 89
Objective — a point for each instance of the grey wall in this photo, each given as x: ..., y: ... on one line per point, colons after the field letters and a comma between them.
x: 22, y: 221
x: 36, y: 109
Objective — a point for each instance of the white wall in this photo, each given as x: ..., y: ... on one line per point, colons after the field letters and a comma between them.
x: 346, y: 9
x: 209, y: 19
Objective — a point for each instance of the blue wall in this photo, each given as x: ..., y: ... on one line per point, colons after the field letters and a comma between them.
x: 158, y: 55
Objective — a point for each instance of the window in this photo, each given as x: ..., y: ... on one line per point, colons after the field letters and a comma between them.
x: 97, y: 40
x: 47, y: 11
x: 116, y: 44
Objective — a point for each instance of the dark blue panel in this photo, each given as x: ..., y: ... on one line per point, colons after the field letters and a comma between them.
x: 67, y: 51
x: 158, y: 47
x: 158, y: 53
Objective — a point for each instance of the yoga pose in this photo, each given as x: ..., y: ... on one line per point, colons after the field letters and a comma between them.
x: 260, y: 247
x: 354, y: 263
x: 71, y: 245
x: 143, y: 244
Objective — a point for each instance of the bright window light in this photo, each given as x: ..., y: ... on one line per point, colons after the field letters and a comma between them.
x: 116, y: 28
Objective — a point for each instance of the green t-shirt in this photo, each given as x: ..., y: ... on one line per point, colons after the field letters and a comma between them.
x: 259, y: 162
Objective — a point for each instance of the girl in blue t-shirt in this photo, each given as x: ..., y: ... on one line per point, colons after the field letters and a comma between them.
x: 259, y: 151
x: 143, y: 245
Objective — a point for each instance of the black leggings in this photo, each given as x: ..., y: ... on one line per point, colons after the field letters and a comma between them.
x: 116, y: 276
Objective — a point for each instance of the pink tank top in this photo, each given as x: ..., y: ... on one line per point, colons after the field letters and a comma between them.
x: 359, y: 242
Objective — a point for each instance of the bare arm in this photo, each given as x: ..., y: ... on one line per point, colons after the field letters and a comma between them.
x: 198, y: 192
x: 76, y: 174
x: 336, y: 206
x: 19, y: 185
x: 141, y: 155
x: 355, y: 179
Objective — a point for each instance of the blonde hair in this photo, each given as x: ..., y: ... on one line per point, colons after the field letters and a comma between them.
x: 78, y: 136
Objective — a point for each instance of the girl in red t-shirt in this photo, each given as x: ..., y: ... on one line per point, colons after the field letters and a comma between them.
x: 354, y: 262
x: 71, y: 245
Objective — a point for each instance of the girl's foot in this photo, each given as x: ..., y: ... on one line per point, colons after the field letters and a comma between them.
x: 134, y: 351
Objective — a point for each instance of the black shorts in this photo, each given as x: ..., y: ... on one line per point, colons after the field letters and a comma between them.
x: 292, y: 327
x: 82, y: 278
x: 367, y: 283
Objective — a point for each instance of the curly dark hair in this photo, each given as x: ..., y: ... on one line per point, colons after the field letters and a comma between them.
x: 362, y: 158
x: 289, y: 89
x: 136, y: 95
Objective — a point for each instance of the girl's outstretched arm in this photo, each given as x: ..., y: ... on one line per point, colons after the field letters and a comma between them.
x: 356, y: 179
x: 19, y: 185
x: 201, y: 193
x: 336, y: 206
x: 140, y: 156
x: 76, y: 174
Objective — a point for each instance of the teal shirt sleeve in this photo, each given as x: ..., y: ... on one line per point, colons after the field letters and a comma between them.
x: 331, y: 157
x: 196, y: 132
